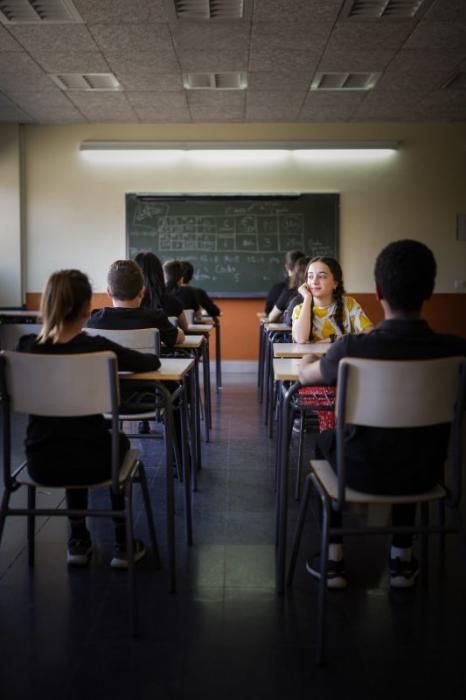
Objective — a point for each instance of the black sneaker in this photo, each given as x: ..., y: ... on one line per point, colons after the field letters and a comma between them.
x: 335, y: 572
x: 78, y: 552
x: 120, y: 554
x: 403, y: 573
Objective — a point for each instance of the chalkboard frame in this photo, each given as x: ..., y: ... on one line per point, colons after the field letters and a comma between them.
x: 227, y: 197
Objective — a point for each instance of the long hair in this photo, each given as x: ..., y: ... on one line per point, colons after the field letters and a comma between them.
x: 188, y: 271
x: 66, y: 294
x: 173, y: 272
x: 154, y: 282
x: 298, y: 276
x: 337, y: 273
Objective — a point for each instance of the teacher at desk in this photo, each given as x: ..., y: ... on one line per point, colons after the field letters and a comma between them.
x: 387, y: 460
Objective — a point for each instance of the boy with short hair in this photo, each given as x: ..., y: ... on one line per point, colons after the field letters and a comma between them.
x: 389, y: 460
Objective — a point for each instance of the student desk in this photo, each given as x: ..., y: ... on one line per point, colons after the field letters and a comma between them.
x: 205, y: 329
x: 291, y: 350
x: 286, y: 370
x: 171, y: 370
x: 215, y: 320
x: 192, y: 347
x: 272, y: 332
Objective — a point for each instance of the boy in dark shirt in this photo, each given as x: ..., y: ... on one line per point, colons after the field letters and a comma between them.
x: 125, y: 286
x: 203, y: 298
x: 389, y: 460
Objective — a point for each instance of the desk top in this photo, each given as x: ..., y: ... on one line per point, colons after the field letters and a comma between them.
x: 21, y: 313
x: 199, y: 328
x: 172, y: 369
x: 277, y: 327
x: 299, y: 349
x: 286, y: 370
x: 191, y: 342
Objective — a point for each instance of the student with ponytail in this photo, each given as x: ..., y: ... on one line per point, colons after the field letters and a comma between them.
x: 327, y: 312
x: 77, y: 450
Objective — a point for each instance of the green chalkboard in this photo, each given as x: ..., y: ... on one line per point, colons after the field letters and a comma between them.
x: 236, y: 243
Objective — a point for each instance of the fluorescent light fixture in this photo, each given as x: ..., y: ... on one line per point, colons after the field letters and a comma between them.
x: 205, y: 152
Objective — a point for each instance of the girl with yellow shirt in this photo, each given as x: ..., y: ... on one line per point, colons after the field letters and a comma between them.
x: 326, y: 311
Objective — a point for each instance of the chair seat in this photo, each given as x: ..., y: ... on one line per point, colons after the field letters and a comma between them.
x: 323, y: 471
x: 129, y: 463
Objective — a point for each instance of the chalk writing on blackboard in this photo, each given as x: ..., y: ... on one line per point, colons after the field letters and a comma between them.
x: 236, y: 244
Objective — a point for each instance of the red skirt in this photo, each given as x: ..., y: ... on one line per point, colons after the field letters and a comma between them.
x: 322, y: 400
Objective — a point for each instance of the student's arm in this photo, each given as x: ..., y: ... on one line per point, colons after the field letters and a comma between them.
x: 130, y: 360
x: 309, y: 370
x: 183, y: 321
x: 301, y: 331
x: 207, y: 303
x: 180, y: 336
x: 275, y: 315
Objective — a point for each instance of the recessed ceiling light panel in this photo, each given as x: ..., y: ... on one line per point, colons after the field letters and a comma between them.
x: 383, y: 9
x: 38, y: 12
x: 234, y: 80
x: 209, y: 9
x: 345, y: 81
x: 89, y: 82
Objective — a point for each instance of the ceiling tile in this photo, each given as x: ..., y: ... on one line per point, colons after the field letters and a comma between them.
x: 268, y: 58
x: 355, y: 61
x: 74, y: 62
x: 217, y: 106
x: 116, y: 11
x: 49, y: 104
x: 53, y: 37
x: 19, y: 71
x: 10, y: 112
x: 305, y: 11
x: 147, y: 79
x: 108, y: 106
x: 7, y: 42
x: 390, y: 105
x: 330, y: 106
x: 217, y: 36
x: 444, y: 105
x: 292, y: 36
x: 438, y: 35
x: 210, y: 60
x: 132, y: 37
x: 350, y: 35
x: 447, y: 11
x: 281, y: 81
x: 158, y: 60
x: 160, y: 106
x: 274, y: 106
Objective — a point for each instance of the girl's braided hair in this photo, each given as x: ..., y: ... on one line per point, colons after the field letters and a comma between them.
x: 334, y: 267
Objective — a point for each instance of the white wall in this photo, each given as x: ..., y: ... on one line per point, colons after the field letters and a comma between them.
x: 75, y: 210
x: 10, y: 227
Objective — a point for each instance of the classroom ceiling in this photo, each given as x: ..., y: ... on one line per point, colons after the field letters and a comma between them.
x: 256, y: 61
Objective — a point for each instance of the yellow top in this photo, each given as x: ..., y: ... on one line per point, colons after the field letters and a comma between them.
x: 323, y: 320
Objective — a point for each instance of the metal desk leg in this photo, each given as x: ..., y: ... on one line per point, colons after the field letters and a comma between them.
x: 218, y: 354
x: 206, y: 378
x: 283, y: 484
x: 260, y: 364
x: 187, y: 466
x: 169, y: 441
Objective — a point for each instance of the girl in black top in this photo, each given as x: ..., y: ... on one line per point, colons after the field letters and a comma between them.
x: 156, y: 294
x: 173, y: 272
x: 76, y: 450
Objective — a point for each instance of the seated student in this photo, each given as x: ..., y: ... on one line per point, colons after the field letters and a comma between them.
x: 326, y: 312
x: 155, y: 294
x: 173, y: 272
x: 389, y: 460
x: 290, y: 294
x: 203, y: 298
x: 77, y: 450
x: 290, y: 260
x: 125, y: 286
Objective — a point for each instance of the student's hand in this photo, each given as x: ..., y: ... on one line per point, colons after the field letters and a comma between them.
x: 305, y: 292
x: 308, y: 359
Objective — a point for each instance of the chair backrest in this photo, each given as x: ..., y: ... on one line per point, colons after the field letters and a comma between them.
x: 401, y: 394
x: 397, y: 394
x: 189, y: 313
x: 59, y: 385
x: 10, y: 333
x: 142, y: 339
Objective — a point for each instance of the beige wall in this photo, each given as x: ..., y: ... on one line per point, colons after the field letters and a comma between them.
x: 10, y: 220
x: 75, y: 210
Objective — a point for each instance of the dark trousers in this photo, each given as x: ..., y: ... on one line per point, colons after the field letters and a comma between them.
x: 402, y: 515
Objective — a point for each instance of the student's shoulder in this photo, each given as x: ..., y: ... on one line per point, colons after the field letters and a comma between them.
x: 27, y: 343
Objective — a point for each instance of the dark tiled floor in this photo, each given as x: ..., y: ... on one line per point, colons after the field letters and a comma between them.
x: 225, y: 633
